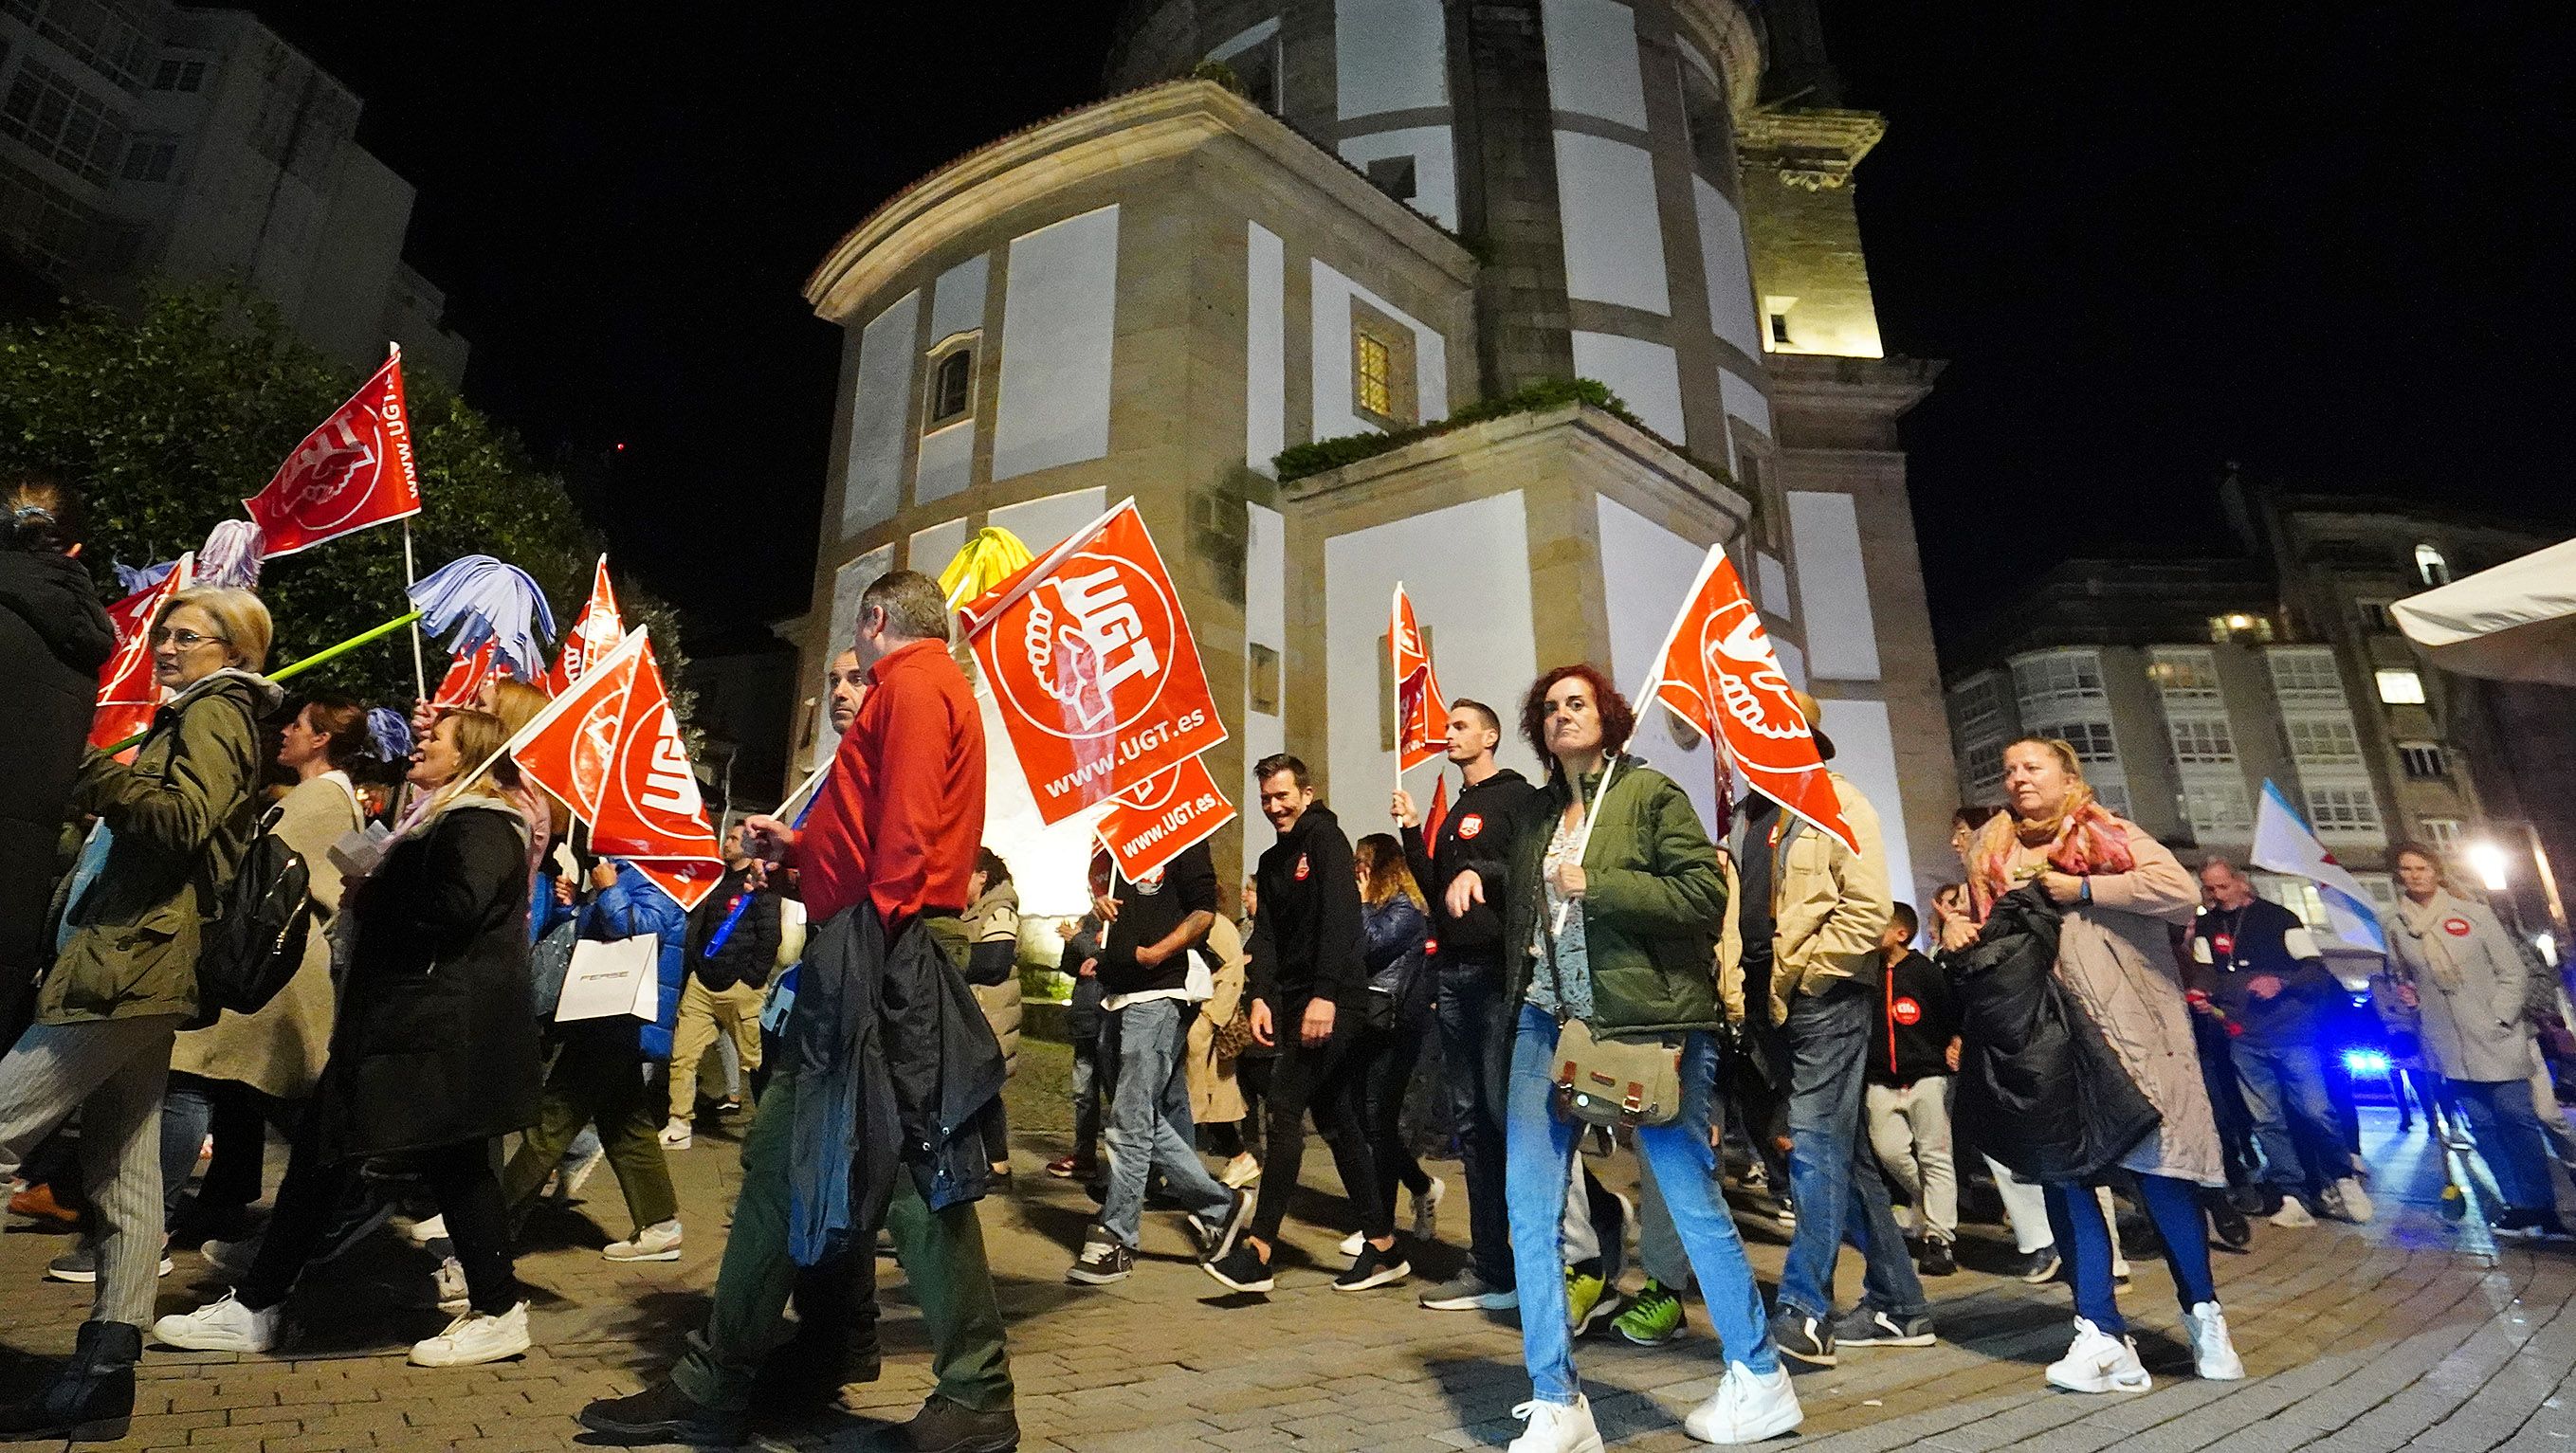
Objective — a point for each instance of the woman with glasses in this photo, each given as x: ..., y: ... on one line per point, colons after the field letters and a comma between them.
x: 170, y: 826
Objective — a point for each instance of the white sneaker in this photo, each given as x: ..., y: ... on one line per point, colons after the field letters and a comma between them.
x: 1748, y: 1407
x: 475, y: 1337
x: 657, y: 1242
x: 568, y: 1182
x: 224, y: 1325
x: 421, y: 1233
x: 2099, y: 1362
x: 1426, y: 1210
x: 1352, y: 1243
x: 1241, y: 1171
x: 453, y: 1297
x: 2212, y: 1354
x: 2356, y: 1201
x: 2293, y: 1213
x: 675, y: 1135
x: 1556, y: 1427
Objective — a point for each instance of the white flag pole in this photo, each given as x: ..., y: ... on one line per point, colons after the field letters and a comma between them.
x: 411, y: 571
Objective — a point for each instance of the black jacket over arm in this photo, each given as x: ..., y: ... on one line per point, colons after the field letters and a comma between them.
x: 1307, y: 936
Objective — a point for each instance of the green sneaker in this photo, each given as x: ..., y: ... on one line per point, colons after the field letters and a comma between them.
x: 1588, y: 1301
x: 1654, y: 1315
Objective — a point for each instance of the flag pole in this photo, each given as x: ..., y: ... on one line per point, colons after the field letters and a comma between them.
x: 411, y: 577
x: 295, y: 668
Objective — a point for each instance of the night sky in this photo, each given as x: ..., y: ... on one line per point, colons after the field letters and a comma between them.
x: 2329, y: 242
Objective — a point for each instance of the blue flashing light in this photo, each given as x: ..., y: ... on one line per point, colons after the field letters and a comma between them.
x: 2365, y: 1062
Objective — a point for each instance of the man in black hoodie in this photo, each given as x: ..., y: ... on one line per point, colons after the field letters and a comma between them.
x: 1914, y: 1050
x: 54, y: 637
x: 1474, y: 842
x: 1308, y: 975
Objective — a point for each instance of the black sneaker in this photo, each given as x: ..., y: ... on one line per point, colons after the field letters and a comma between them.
x: 1867, y: 1326
x: 1937, y: 1258
x: 1373, y: 1268
x: 945, y: 1427
x: 1241, y: 1269
x: 2228, y: 1226
x: 1102, y: 1261
x: 1803, y: 1338
x: 662, y: 1414
x: 2035, y: 1267
x: 1218, y: 1239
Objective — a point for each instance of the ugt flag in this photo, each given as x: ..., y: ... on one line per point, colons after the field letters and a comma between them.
x: 611, y: 749
x: 1717, y: 671
x: 594, y: 635
x: 1421, y: 719
x: 128, y: 693
x: 353, y: 471
x: 1149, y: 826
x: 2284, y: 843
x: 1093, y: 667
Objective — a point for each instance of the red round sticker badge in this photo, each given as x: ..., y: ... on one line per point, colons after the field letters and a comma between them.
x: 1470, y: 825
x: 1301, y: 867
x: 2456, y: 927
x: 1905, y: 1011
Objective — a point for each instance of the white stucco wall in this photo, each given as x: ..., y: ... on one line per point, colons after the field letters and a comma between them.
x: 934, y: 547
x: 1435, y: 166
x: 1744, y: 399
x: 1646, y: 377
x: 1043, y: 524
x: 946, y: 463
x: 880, y: 415
x: 1774, y: 589
x: 1614, y: 242
x: 1646, y: 572
x: 1389, y: 55
x: 1729, y: 271
x: 1466, y: 568
x: 957, y: 299
x: 1059, y: 322
x: 1592, y: 60
x: 1865, y: 752
x: 1265, y: 622
x: 1833, y: 586
x: 1265, y: 360
x: 1330, y: 306
x: 848, y: 584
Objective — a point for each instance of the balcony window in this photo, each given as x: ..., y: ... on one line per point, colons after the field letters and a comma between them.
x: 2400, y: 687
x: 2430, y: 567
x: 2424, y: 761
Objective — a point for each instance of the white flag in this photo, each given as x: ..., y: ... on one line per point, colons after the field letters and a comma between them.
x: 2284, y: 843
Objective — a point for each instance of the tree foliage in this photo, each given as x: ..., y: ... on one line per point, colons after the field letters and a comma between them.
x: 169, y: 420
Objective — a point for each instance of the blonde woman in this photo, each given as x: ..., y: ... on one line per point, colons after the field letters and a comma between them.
x: 2117, y: 889
x: 172, y: 823
x: 434, y: 1055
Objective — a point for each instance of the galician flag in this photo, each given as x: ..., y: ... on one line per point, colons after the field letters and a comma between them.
x: 2284, y: 843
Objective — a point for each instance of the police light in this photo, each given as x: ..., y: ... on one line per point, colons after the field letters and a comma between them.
x: 2365, y: 1062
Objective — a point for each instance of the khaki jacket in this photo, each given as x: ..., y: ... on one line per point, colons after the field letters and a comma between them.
x: 1215, y: 1099
x: 1828, y: 907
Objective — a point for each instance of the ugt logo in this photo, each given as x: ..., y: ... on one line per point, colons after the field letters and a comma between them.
x: 1087, y: 637
x: 339, y: 461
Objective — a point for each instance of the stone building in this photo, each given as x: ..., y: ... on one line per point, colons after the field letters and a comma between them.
x: 1366, y: 215
x: 2186, y: 684
x: 141, y: 139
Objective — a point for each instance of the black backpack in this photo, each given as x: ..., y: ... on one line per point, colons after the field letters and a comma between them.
x: 255, y: 943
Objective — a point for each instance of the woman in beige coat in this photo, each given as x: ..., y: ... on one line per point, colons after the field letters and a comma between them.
x: 245, y: 1070
x: 2118, y: 889
x: 1215, y: 1099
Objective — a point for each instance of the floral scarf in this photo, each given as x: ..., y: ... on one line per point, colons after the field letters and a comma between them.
x: 2084, y: 839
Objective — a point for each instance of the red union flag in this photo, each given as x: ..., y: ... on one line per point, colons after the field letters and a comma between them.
x: 611, y: 749
x: 463, y: 685
x: 1093, y: 667
x: 353, y: 471
x: 1149, y: 826
x: 128, y: 692
x: 1717, y: 672
x: 592, y: 637
x: 1421, y: 718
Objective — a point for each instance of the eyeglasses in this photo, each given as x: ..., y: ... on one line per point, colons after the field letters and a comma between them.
x: 184, y: 640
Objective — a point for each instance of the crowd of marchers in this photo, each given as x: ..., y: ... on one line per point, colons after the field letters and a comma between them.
x: 2121, y: 1051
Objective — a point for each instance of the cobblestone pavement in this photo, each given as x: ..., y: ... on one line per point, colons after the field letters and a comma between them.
x: 2411, y: 1333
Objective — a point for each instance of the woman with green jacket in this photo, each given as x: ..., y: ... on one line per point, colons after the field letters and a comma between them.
x: 171, y: 826
x: 1617, y: 927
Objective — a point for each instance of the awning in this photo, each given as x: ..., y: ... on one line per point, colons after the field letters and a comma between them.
x: 2516, y: 622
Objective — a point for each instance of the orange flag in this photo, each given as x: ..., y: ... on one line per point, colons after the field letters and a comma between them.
x: 354, y: 470
x: 128, y: 693
x: 1717, y: 671
x: 1149, y: 826
x: 593, y: 636
x: 1421, y: 718
x: 611, y: 749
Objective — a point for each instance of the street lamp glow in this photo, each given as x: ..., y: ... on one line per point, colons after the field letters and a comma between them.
x: 2489, y: 860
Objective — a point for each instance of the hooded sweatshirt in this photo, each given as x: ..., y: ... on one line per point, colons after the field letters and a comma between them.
x: 1477, y: 834
x: 1307, y: 937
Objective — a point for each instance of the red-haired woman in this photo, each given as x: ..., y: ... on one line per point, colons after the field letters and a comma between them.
x: 1617, y: 927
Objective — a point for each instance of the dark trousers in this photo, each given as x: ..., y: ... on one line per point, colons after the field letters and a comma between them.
x: 1473, y: 1031
x: 599, y: 1079
x: 1319, y: 1080
x: 1387, y: 1057
x: 460, y: 1178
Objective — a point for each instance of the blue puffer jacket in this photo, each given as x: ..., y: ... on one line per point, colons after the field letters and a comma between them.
x: 631, y: 908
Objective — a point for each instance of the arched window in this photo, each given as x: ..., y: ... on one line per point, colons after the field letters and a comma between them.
x: 2431, y: 567
x: 952, y: 386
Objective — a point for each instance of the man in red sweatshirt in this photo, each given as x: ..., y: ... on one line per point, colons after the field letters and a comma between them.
x: 893, y: 831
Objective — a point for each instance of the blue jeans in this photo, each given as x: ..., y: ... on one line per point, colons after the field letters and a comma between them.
x: 2282, y: 1083
x: 2084, y: 1238
x: 1834, y: 1179
x: 1541, y: 1146
x: 1472, y: 1032
x: 1149, y: 1120
x: 2501, y: 1115
x: 1088, y: 1089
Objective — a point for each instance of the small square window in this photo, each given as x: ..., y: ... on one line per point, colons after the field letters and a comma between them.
x: 1263, y: 688
x: 951, y: 395
x: 1394, y: 175
x: 1372, y: 363
x: 2424, y: 761
x: 2400, y: 687
x: 1780, y: 329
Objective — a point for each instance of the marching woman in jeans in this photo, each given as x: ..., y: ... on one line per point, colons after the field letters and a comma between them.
x: 434, y: 1055
x: 1391, y: 915
x: 1618, y: 930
